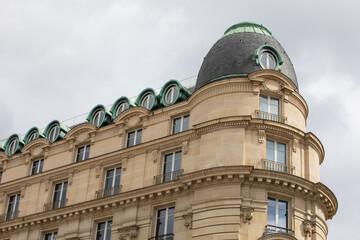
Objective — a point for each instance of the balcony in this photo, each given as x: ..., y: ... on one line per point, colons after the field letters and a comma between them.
x: 278, y: 167
x: 169, y: 236
x: 271, y: 229
x: 107, y: 192
x: 270, y: 116
x: 167, y: 177
x: 9, y: 216
x: 55, y: 205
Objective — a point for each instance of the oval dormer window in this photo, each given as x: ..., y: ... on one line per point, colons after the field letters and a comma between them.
x: 147, y: 101
x: 171, y: 95
x: 53, y: 133
x: 13, y: 145
x: 267, y: 60
x: 98, y: 118
x: 32, y: 136
x: 121, y: 107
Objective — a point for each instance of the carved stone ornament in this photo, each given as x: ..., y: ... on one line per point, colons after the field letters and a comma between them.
x: 155, y: 155
x: 309, y: 227
x: 188, y: 220
x: 128, y: 233
x: 124, y: 164
x: 271, y: 85
x: 185, y: 147
x: 246, y: 213
x: 262, y: 135
x: 295, y: 145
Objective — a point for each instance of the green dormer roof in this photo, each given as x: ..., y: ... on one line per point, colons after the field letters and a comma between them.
x: 248, y: 27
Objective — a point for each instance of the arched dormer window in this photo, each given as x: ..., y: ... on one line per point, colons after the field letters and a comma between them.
x: 99, y: 116
x: 173, y: 92
x: 147, y: 99
x: 13, y: 144
x: 32, y: 134
x: 55, y: 130
x: 120, y: 105
x: 268, y: 58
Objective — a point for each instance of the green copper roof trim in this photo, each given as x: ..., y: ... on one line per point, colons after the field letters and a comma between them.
x: 271, y: 49
x: 248, y: 27
x: 118, y: 101
x: 2, y: 147
x: 63, y: 129
x: 31, y: 130
x: 182, y: 93
x: 19, y: 145
x: 107, y: 114
x: 143, y: 93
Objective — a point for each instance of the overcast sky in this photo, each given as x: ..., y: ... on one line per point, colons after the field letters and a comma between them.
x: 58, y: 59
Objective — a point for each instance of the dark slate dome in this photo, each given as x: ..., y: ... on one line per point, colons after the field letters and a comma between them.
x: 237, y: 53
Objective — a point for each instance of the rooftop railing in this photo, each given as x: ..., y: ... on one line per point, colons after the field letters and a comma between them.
x: 271, y: 229
x: 270, y: 116
x: 106, y: 192
x: 55, y: 205
x: 167, y: 177
x: 9, y: 216
x: 169, y: 236
x: 278, y: 167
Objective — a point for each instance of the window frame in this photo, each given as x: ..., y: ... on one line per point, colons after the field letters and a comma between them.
x: 172, y: 89
x: 52, y: 235
x: 288, y: 212
x: 173, y: 159
x: 157, y: 210
x: 181, y: 123
x: 276, y: 151
x: 54, y: 132
x: 122, y: 103
x: 268, y: 98
x: 62, y: 200
x: 127, y: 145
x: 17, y: 203
x: 106, y: 226
x: 114, y: 177
x: 12, y: 146
x: 86, y: 147
x: 39, y: 167
x: 146, y: 97
x: 100, y: 115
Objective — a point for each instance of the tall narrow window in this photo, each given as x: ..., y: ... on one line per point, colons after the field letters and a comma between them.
x: 11, y: 149
x: 112, y: 181
x: 98, y: 118
x: 59, y: 197
x: 276, y: 156
x: 53, y: 133
x: 50, y: 236
x: 37, y: 166
x: 180, y: 124
x: 269, y: 108
x: 164, y: 224
x: 134, y: 138
x: 171, y: 167
x: 171, y: 95
x: 277, y: 216
x: 103, y: 231
x: 82, y: 153
x: 13, y: 206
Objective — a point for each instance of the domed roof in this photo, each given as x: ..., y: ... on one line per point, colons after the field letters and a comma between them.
x: 238, y: 53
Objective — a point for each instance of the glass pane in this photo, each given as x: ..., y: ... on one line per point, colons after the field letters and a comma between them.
x: 271, y: 61
x: 170, y: 224
x: 169, y: 96
x: 274, y: 109
x: 270, y: 150
x: 109, y: 179
x: 87, y: 152
x: 138, y: 137
x: 100, y: 231
x: 41, y: 165
x: 282, y: 221
x: 168, y: 163
x: 281, y: 157
x: 108, y: 230
x: 263, y: 60
x: 160, y: 222
x: 131, y: 138
x: 80, y: 153
x: 271, y: 216
x: 151, y: 101
x: 176, y: 125
x: 185, y: 123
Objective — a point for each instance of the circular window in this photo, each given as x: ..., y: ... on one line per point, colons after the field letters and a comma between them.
x: 33, y: 135
x: 53, y: 133
x: 12, y: 147
x: 98, y: 118
x: 147, y: 101
x: 121, y: 107
x: 171, y: 95
x: 267, y: 60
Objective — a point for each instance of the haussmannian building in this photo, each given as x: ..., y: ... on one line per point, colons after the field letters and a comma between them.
x: 229, y: 158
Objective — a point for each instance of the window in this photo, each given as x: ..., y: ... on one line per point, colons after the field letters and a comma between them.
x: 98, y: 118
x: 12, y: 147
x: 164, y: 224
x: 180, y: 124
x: 13, y: 206
x: 276, y: 156
x: 134, y: 138
x: 37, y: 166
x: 171, y: 95
x: 269, y: 105
x: 147, y: 101
x: 112, y: 182
x: 103, y: 231
x: 59, y: 197
x: 53, y: 133
x: 267, y: 60
x: 171, y: 167
x: 277, y: 216
x: 50, y: 236
x: 121, y: 107
x: 82, y: 153
x: 33, y: 135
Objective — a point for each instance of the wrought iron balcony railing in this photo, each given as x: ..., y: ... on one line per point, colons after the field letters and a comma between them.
x: 271, y: 229
x: 270, y: 116
x: 169, y: 236
x: 278, y: 167
x: 167, y: 177
x: 55, y: 205
x: 108, y: 192
x: 9, y: 216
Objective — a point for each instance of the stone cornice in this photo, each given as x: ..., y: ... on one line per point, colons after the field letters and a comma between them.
x: 241, y: 174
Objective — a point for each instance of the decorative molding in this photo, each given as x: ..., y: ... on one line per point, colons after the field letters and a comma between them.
x: 155, y: 155
x: 295, y: 145
x: 309, y: 227
x: 246, y: 213
x: 185, y: 147
x: 128, y: 233
x: 188, y: 220
x: 124, y: 163
x: 22, y: 191
x: 97, y: 171
x: 262, y: 135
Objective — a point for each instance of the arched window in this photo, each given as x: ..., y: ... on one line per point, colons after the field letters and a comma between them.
x: 122, y: 106
x: 171, y: 95
x: 268, y: 58
x: 98, y: 117
x: 53, y: 133
x: 147, y: 101
x: 12, y: 146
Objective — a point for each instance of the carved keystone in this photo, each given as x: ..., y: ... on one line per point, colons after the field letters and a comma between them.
x: 246, y: 213
x: 309, y: 227
x: 128, y: 233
